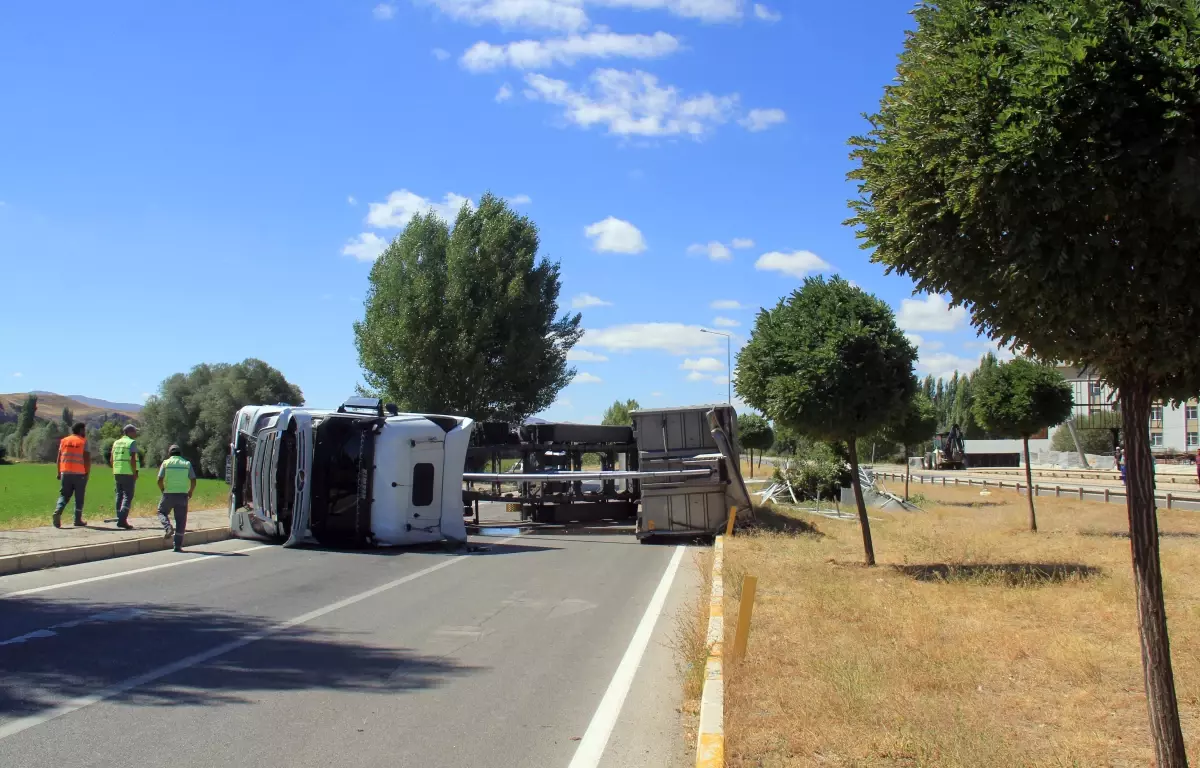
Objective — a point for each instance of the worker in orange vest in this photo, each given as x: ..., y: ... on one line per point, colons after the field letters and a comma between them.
x: 74, y: 466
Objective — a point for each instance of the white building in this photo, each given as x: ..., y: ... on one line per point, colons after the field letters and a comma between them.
x: 1172, y: 428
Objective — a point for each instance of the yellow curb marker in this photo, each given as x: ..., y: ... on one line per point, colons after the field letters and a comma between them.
x: 710, y: 741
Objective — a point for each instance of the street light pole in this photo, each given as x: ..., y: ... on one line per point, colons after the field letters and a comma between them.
x: 728, y: 363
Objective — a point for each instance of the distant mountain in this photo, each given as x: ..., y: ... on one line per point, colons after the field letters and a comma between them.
x: 86, y: 409
x: 126, y: 407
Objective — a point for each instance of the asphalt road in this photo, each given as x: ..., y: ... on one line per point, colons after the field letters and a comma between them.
x: 526, y: 653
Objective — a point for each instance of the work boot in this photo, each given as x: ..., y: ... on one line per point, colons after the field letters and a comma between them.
x: 168, y: 532
x: 80, y: 522
x: 178, y: 543
x: 57, y: 520
x: 124, y: 526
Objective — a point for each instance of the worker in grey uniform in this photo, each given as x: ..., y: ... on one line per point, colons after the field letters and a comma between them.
x: 177, y: 481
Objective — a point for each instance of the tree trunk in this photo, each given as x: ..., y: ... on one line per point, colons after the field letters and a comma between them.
x: 1169, y: 749
x: 907, y: 472
x: 863, y: 522
x: 1029, y: 482
x: 751, y: 462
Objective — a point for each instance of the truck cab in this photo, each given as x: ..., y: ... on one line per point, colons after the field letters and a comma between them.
x: 361, y: 475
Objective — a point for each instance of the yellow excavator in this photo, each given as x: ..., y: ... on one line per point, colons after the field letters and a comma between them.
x: 948, y: 452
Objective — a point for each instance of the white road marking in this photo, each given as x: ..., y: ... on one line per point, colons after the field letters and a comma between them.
x: 105, y: 577
x: 591, y: 746
x: 120, y: 614
x: 73, y: 705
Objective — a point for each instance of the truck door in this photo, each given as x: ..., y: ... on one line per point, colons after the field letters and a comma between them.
x: 425, y: 503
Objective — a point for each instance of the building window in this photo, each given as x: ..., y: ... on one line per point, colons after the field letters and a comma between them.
x: 1190, y: 412
x: 1156, y: 440
x: 422, y: 493
x: 1156, y: 415
x: 1097, y: 390
x: 1193, y: 439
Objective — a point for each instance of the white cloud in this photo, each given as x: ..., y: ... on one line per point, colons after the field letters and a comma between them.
x: 720, y: 379
x: 933, y: 313
x: 674, y: 338
x: 542, y: 54
x: 725, y: 322
x: 585, y: 300
x: 384, y: 11
x: 571, y: 15
x: 566, y: 15
x: 714, y: 251
x: 441, y: 54
x: 563, y: 402
x: 520, y: 200
x: 632, y: 104
x: 923, y: 344
x: 708, y: 364
x: 504, y: 94
x: 796, y: 263
x: 351, y: 200
x: 585, y: 356
x: 614, y: 235
x: 18, y: 375
x: 402, y: 205
x: 763, y: 13
x: 586, y: 378
x: 742, y: 243
x: 726, y: 304
x: 366, y: 247
x: 656, y: 394
x: 943, y: 364
x: 696, y: 376
x: 762, y: 119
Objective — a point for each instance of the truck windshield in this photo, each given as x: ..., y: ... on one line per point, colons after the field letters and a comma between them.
x: 341, y: 482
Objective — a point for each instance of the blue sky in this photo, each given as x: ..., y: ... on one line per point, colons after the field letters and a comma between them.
x: 169, y: 170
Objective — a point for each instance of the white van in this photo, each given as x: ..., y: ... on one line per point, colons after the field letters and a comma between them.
x: 360, y: 476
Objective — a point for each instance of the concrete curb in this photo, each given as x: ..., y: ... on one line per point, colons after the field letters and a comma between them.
x: 710, y: 740
x: 36, y: 561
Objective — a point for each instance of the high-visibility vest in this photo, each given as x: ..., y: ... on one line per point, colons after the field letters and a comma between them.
x: 177, y: 475
x: 122, y: 456
x: 70, y: 455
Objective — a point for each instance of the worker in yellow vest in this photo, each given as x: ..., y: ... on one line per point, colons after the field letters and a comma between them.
x: 124, y: 459
x: 177, y: 481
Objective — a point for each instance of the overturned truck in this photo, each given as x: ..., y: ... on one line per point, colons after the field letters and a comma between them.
x: 367, y: 475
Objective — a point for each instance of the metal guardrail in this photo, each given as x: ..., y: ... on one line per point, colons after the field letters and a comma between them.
x: 1109, y: 495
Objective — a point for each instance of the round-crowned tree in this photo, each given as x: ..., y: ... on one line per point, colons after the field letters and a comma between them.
x: 1021, y: 397
x: 1040, y: 163
x: 830, y: 363
x: 755, y: 433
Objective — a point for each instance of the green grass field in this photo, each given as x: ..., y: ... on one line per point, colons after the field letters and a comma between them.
x: 28, y: 493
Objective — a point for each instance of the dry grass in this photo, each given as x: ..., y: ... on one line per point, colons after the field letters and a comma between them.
x: 690, y: 644
x: 974, y: 644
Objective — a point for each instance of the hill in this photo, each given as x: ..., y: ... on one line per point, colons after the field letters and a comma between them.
x: 50, y: 405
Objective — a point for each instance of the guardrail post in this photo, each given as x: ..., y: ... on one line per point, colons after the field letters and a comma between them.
x: 1056, y: 490
x: 1081, y: 493
x: 729, y: 523
x: 1105, y: 495
x: 1168, y: 499
x: 745, y: 611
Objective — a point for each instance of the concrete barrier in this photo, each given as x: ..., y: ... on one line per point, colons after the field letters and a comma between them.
x: 36, y: 561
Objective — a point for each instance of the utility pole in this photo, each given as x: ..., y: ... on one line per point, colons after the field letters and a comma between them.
x: 728, y: 363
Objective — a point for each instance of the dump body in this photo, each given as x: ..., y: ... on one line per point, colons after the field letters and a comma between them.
x: 688, y: 438
x: 356, y: 476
